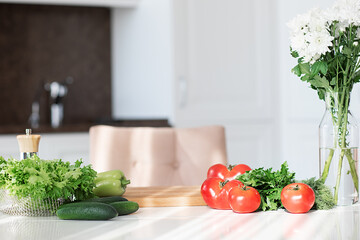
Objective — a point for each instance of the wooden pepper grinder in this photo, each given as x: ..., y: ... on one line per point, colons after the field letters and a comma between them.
x: 28, y: 144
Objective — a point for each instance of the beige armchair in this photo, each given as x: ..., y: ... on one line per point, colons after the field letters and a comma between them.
x: 158, y: 156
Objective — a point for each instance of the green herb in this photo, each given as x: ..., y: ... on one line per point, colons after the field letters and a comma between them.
x: 269, y: 184
x: 324, y: 198
x: 42, y: 179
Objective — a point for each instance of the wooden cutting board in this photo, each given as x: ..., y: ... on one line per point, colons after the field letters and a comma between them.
x: 173, y: 196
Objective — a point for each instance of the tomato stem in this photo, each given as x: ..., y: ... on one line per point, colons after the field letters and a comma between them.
x: 230, y: 167
x: 223, y: 183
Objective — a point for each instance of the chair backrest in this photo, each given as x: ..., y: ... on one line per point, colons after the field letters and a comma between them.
x: 158, y: 156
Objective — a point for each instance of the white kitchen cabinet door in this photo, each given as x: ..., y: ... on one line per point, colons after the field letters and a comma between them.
x: 225, y: 74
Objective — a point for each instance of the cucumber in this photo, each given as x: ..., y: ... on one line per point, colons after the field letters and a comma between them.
x: 106, y: 199
x: 86, y: 211
x: 125, y: 207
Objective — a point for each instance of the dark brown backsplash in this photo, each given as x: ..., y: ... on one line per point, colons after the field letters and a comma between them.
x: 40, y: 44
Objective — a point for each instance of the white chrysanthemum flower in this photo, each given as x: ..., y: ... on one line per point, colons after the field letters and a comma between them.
x: 319, y: 42
x: 298, y: 42
x: 299, y: 24
x: 341, y: 26
x: 299, y: 28
x: 310, y: 36
x: 307, y: 56
x: 346, y: 12
x: 317, y: 20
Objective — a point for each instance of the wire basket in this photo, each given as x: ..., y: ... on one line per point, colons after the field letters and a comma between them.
x: 27, y: 206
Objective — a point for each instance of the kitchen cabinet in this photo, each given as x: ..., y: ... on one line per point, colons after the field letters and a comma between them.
x: 97, y: 3
x: 66, y: 146
x: 68, y: 89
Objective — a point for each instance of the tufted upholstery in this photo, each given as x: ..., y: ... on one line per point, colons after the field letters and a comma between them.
x: 158, y: 156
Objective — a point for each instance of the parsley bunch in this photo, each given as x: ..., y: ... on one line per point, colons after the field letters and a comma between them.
x: 269, y: 184
x: 41, y: 179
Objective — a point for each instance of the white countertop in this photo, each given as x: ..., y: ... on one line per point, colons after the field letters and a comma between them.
x: 190, y: 223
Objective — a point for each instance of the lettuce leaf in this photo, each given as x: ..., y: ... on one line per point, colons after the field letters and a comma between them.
x: 41, y: 179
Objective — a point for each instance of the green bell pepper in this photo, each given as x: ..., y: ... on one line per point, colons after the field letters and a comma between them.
x: 110, y: 183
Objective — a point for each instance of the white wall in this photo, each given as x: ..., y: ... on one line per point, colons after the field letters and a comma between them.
x: 143, y: 78
x: 142, y: 60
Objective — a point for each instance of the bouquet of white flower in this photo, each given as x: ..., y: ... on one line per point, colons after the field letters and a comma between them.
x: 326, y: 44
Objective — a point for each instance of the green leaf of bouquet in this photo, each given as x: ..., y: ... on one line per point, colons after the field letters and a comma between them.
x: 296, y: 70
x: 347, y: 51
x: 304, y: 68
x: 323, y: 67
x: 356, y: 77
x: 316, y: 84
x: 294, y: 54
x: 320, y: 82
x: 321, y: 94
x: 306, y: 78
x: 315, y: 68
x: 333, y: 81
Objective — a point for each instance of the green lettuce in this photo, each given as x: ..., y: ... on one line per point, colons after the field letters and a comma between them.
x: 41, y: 179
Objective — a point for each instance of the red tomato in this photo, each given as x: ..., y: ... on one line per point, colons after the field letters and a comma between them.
x: 244, y: 199
x: 215, y: 192
x: 237, y: 170
x: 218, y: 170
x: 297, y: 197
x: 221, y: 171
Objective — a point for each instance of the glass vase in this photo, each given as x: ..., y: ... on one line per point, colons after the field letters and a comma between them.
x: 338, y: 146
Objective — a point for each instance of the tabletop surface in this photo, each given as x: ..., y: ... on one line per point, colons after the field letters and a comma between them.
x: 191, y: 223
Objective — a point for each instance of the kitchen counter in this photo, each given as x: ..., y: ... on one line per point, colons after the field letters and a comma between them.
x: 84, y: 127
x: 20, y: 129
x: 191, y: 223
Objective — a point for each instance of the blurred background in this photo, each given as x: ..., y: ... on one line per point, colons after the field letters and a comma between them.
x: 178, y: 63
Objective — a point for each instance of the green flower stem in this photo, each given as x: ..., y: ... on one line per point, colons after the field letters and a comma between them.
x: 341, y: 143
x: 353, y: 172
x: 338, y: 176
x: 325, y: 172
x: 327, y: 165
x: 342, y: 124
